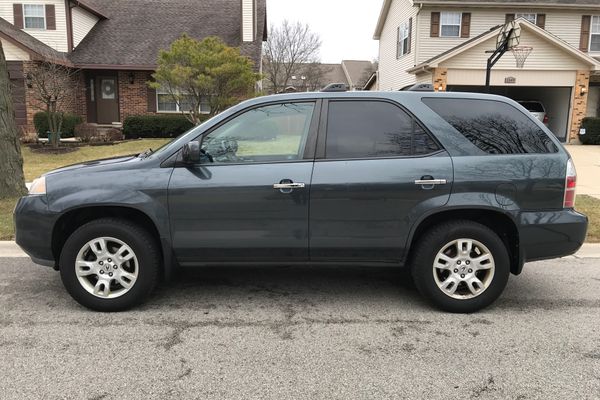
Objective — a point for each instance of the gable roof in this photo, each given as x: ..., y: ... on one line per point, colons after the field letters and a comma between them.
x: 36, y: 48
x: 135, y: 30
x: 567, y: 4
x: 357, y: 71
x: 434, y: 61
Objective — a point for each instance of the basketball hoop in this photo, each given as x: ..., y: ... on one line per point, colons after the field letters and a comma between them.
x: 521, y: 53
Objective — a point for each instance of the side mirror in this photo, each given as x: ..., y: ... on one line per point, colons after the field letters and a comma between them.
x: 191, y: 153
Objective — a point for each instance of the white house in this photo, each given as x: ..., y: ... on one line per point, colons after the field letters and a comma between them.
x: 444, y: 42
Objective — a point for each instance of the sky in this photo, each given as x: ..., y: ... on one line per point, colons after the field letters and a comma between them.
x: 345, y: 26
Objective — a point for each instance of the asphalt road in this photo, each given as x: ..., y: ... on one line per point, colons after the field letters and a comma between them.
x: 302, y: 333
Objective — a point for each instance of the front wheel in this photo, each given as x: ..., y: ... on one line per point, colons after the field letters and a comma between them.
x: 460, y: 266
x: 109, y: 264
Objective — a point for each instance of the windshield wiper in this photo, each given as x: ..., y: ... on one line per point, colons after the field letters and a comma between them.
x: 145, y: 153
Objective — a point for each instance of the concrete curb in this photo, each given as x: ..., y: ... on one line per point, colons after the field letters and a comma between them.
x: 10, y: 249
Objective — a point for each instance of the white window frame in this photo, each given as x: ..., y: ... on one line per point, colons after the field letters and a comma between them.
x: 523, y: 15
x: 25, y: 16
x: 177, y: 110
x: 592, y: 33
x: 442, y: 24
x: 404, y: 30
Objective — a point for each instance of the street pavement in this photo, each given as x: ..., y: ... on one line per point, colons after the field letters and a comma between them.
x: 587, y: 164
x: 302, y: 333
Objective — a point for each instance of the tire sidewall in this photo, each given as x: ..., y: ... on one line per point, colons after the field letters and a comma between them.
x: 423, y: 271
x: 135, y: 238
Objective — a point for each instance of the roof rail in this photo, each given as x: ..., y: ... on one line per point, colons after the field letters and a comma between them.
x: 335, y: 87
x: 419, y: 87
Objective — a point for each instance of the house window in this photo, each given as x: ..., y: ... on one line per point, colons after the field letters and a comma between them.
x: 34, y: 16
x: 450, y: 22
x: 595, y: 34
x: 166, y: 103
x: 403, y: 39
x: 529, y: 17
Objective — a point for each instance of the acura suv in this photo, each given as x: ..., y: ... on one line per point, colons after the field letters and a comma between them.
x: 463, y: 189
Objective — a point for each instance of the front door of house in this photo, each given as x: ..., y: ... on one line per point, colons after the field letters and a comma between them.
x: 107, y: 100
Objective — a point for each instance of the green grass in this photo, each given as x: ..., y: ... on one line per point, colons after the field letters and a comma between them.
x: 590, y: 206
x: 35, y: 164
x: 7, y: 230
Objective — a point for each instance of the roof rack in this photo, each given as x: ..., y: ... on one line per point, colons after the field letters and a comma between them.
x: 419, y: 87
x: 335, y: 87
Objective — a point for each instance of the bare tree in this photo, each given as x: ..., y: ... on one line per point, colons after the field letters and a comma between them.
x: 12, y: 182
x: 288, y: 46
x: 54, y: 87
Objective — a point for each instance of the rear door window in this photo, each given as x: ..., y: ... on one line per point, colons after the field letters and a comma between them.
x: 532, y: 106
x: 493, y: 126
x: 370, y: 129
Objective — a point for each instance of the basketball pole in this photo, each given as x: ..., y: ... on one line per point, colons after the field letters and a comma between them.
x: 495, y: 57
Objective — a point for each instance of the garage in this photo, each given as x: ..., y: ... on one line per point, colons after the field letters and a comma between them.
x: 556, y: 101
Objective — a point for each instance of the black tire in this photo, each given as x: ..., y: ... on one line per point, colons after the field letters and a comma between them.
x: 430, y: 243
x: 137, y: 238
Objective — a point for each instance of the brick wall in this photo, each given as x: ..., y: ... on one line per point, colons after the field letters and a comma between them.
x: 133, y: 97
x: 440, y: 79
x: 580, y: 97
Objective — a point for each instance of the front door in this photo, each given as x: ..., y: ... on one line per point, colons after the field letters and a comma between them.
x: 107, y: 99
x: 248, y: 201
x: 366, y: 190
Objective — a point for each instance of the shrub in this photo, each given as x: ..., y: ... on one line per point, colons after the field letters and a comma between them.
x: 155, y: 126
x: 113, y: 134
x: 86, y: 132
x: 592, y: 131
x: 40, y: 120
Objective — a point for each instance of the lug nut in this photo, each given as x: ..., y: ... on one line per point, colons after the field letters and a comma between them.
x: 110, y: 274
x: 468, y: 262
x: 115, y: 266
x: 109, y: 260
x: 458, y: 262
x: 462, y: 275
x: 101, y: 271
x: 101, y: 263
x: 470, y: 270
x: 455, y: 270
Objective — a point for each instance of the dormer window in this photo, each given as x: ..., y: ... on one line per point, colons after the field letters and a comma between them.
x: 34, y: 16
x: 528, y: 16
x: 450, y: 24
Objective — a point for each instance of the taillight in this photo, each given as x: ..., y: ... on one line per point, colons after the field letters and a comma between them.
x: 570, y: 184
x: 546, y: 119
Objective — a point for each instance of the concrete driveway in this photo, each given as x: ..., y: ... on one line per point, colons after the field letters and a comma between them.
x: 587, y: 163
x: 302, y: 333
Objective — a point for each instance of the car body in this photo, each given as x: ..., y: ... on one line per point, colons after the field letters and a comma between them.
x: 212, y: 197
x: 536, y: 108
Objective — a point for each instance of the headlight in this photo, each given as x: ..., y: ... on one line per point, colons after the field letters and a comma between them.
x: 38, y: 186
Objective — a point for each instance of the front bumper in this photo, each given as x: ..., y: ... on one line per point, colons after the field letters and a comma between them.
x: 551, y: 234
x: 33, y: 229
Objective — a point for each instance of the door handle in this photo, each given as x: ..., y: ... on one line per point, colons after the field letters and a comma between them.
x: 430, y: 182
x: 288, y: 185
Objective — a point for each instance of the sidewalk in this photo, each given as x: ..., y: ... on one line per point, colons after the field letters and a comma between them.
x: 10, y: 249
x: 587, y: 163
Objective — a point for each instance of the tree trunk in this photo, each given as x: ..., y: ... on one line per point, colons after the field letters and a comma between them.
x: 12, y: 181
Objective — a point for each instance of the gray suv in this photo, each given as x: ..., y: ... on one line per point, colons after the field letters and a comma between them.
x: 463, y: 189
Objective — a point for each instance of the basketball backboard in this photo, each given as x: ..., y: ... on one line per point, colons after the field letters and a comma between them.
x: 509, y: 34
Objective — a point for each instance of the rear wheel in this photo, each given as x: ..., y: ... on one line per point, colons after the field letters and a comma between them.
x: 460, y: 266
x: 109, y: 264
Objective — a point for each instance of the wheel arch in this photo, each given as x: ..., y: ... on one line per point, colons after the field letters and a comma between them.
x: 68, y: 222
x: 498, y: 221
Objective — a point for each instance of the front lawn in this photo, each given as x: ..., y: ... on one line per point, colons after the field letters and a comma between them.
x: 35, y: 164
x: 590, y: 206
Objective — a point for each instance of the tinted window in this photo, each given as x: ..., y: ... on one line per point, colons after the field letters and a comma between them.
x: 270, y: 133
x: 359, y: 129
x: 493, y: 126
x: 532, y: 106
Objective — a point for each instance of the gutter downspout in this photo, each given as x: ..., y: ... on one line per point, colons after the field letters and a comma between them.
x: 417, y: 34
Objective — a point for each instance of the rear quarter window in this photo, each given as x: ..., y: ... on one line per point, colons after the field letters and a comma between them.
x: 493, y: 126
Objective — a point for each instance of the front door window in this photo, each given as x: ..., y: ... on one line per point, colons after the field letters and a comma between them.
x: 108, y: 87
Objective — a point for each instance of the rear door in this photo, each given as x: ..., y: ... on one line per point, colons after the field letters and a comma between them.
x: 377, y: 172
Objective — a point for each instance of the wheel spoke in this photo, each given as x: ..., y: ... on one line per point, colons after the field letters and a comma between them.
x: 102, y: 288
x: 449, y: 285
x: 84, y: 268
x: 448, y: 261
x: 124, y: 281
x: 474, y: 285
x: 464, y: 246
x: 98, y: 246
x: 124, y: 254
x: 483, y: 262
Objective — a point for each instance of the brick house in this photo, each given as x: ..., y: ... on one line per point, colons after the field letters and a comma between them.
x: 114, y: 45
x: 444, y: 43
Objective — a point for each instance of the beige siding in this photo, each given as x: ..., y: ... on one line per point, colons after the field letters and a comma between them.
x: 13, y: 53
x: 83, y: 22
x: 471, y: 77
x: 564, y: 24
x: 56, y: 39
x: 424, y: 78
x: 393, y: 75
x: 248, y: 20
x: 545, y: 56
